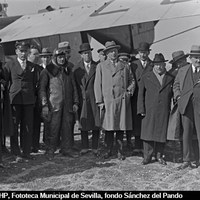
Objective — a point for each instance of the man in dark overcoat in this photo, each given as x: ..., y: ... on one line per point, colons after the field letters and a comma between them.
x: 88, y: 112
x: 21, y: 80
x: 187, y: 92
x: 154, y: 100
x: 139, y: 67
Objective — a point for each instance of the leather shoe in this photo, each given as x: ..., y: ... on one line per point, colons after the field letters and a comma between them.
x: 121, y: 156
x: 28, y: 157
x: 84, y: 151
x: 162, y: 161
x: 145, y: 162
x: 107, y: 155
x: 184, y: 165
x: 194, y: 165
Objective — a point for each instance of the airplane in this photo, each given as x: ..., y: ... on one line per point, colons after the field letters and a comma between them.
x: 168, y: 25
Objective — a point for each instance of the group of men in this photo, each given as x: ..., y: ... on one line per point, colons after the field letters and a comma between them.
x: 114, y: 96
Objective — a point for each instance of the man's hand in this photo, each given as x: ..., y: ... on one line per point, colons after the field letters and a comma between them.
x: 101, y: 105
x: 75, y: 108
x: 2, y: 87
x: 45, y: 112
x: 142, y: 114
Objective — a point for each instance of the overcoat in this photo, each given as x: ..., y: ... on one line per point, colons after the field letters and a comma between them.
x: 113, y: 86
x: 154, y: 100
x: 88, y: 112
x: 184, y: 89
x: 138, y: 71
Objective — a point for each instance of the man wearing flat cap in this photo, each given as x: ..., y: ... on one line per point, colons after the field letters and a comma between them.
x: 186, y: 93
x: 88, y: 112
x: 113, y: 86
x: 21, y: 78
x: 139, y: 68
x: 154, y: 98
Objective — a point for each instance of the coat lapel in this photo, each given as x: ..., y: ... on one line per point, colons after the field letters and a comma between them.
x: 119, y: 66
x: 91, y: 73
x: 152, y: 78
x: 166, y: 80
x: 19, y: 70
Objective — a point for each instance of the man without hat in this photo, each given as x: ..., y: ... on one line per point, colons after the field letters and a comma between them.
x: 187, y: 91
x: 154, y: 98
x: 113, y: 86
x: 88, y: 113
x: 34, y: 57
x: 20, y: 74
x: 139, y: 68
x: 59, y: 99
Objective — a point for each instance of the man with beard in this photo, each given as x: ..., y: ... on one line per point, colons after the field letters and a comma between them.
x: 59, y: 101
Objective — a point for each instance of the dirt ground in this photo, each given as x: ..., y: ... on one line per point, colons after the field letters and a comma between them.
x: 90, y: 173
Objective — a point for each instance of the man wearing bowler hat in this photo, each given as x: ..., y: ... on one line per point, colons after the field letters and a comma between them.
x: 179, y: 59
x: 88, y: 112
x: 114, y: 85
x: 139, y: 68
x: 154, y: 98
x: 21, y: 78
x: 187, y: 93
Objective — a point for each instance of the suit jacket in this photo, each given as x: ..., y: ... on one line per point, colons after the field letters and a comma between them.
x: 89, y: 111
x: 184, y: 89
x: 21, y: 83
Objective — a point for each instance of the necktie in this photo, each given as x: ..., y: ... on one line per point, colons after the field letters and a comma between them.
x: 88, y: 68
x: 196, y: 70
x: 23, y: 65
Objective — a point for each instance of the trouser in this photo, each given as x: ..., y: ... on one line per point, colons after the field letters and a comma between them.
x: 85, y: 139
x: 110, y: 138
x: 150, y: 147
x: 23, y: 114
x: 191, y: 124
x: 36, y: 128
x: 59, y: 129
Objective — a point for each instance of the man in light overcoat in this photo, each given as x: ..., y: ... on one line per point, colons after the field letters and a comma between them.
x: 114, y: 84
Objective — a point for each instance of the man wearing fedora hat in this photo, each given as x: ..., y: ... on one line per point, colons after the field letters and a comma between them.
x: 114, y: 84
x: 20, y: 74
x: 179, y: 59
x: 186, y: 92
x: 88, y: 112
x: 102, y: 56
x: 139, y: 67
x: 154, y: 98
